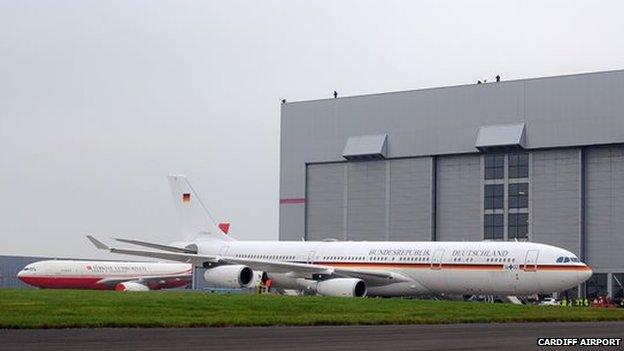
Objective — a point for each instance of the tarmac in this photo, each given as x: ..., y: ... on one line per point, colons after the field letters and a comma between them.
x: 512, y: 336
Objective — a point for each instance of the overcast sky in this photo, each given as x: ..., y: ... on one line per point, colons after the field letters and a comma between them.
x: 100, y: 100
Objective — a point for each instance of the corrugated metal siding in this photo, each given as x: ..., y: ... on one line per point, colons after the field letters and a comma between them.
x: 605, y: 207
x: 366, y: 199
x: 410, y: 199
x: 574, y: 110
x: 292, y: 221
x: 325, y: 201
x: 555, y: 198
x: 459, y: 198
x: 384, y: 199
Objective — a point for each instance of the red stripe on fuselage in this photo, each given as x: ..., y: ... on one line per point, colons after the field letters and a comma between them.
x: 89, y: 283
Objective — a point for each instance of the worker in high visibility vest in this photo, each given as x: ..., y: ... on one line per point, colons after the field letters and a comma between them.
x: 564, y: 301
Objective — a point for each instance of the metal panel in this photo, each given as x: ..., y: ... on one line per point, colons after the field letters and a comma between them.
x: 459, y: 198
x: 366, y: 198
x: 605, y: 207
x: 363, y: 146
x: 325, y: 201
x: 292, y: 221
x: 504, y: 135
x: 410, y: 199
x: 555, y: 198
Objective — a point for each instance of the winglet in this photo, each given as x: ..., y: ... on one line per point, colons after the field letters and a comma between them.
x: 100, y: 245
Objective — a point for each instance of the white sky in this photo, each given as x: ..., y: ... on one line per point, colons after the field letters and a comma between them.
x: 100, y: 100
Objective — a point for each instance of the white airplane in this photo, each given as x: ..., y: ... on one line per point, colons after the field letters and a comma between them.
x: 103, y: 275
x: 334, y: 268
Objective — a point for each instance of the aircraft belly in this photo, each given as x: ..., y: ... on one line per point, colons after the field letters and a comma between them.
x: 468, y: 282
x: 397, y: 289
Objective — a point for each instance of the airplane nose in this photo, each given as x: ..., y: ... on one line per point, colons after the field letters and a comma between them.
x: 585, y: 274
x: 20, y: 274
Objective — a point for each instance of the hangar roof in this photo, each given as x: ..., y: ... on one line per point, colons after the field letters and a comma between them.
x: 562, y: 111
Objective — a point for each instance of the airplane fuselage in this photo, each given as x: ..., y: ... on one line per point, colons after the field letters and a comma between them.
x: 483, y: 268
x: 101, y: 275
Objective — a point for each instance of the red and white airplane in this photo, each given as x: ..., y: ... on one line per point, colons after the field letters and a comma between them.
x: 103, y: 275
x: 334, y: 268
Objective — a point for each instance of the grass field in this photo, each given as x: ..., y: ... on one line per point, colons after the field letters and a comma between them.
x: 26, y: 308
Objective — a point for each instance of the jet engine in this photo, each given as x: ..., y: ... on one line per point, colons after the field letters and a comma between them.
x: 131, y: 286
x: 230, y: 276
x: 342, y: 287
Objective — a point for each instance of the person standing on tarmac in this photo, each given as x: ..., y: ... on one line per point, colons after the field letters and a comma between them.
x: 564, y: 301
x: 263, y: 283
x: 268, y: 283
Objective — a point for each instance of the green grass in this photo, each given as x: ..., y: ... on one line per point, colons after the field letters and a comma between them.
x: 28, y: 308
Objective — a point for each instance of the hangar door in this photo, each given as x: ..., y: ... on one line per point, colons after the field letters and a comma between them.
x: 369, y: 200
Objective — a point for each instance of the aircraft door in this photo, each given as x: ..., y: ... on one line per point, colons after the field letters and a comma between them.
x: 530, y: 262
x: 223, y: 250
x: 311, y: 257
x: 436, y: 259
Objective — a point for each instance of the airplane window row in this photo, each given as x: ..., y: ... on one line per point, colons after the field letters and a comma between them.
x: 266, y: 257
x: 497, y: 259
x: 364, y: 258
x: 29, y: 269
x: 493, y: 259
x: 567, y: 259
x: 344, y: 258
x: 413, y: 259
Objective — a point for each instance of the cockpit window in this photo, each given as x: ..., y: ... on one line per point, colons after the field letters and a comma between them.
x: 560, y: 259
x: 567, y: 259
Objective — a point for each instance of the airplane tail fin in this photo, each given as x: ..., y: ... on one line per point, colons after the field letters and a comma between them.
x: 194, y: 216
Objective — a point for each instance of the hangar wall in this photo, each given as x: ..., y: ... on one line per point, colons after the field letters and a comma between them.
x: 459, y: 198
x: 368, y: 200
x: 605, y: 207
x: 435, y: 181
x: 556, y: 198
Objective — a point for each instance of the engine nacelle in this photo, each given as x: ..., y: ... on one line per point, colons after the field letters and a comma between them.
x: 230, y: 276
x: 131, y: 286
x: 342, y: 287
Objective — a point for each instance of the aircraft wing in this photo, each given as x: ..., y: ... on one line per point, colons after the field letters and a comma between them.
x: 374, y: 277
x: 156, y: 246
x: 305, y: 270
x: 196, y: 260
x: 302, y: 270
